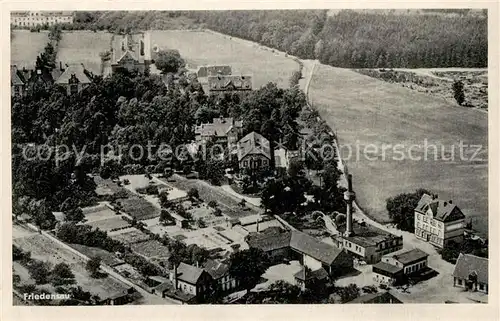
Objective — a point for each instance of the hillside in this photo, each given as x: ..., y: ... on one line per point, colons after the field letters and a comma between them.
x: 347, y: 38
x: 369, y: 112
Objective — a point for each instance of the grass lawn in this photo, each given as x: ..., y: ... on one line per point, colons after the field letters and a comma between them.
x: 25, y: 46
x: 44, y: 249
x: 204, y: 48
x: 366, y: 111
x: 78, y: 47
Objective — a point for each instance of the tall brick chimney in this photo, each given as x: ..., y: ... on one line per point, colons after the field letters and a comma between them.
x: 174, y: 277
x: 349, y: 197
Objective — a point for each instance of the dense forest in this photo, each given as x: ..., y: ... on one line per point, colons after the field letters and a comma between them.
x: 349, y: 39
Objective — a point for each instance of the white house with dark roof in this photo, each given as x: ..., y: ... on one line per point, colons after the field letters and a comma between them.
x: 229, y: 83
x: 254, y: 152
x: 471, y: 273
x: 410, y: 261
x: 74, y: 79
x: 438, y: 222
x: 191, y: 280
x: 219, y: 271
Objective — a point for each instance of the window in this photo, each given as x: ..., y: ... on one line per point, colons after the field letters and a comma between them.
x: 433, y: 223
x: 459, y: 281
x: 481, y: 286
x: 73, y: 89
x: 245, y: 163
x: 418, y: 224
x: 425, y: 219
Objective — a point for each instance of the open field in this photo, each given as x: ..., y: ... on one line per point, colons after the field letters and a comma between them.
x: 438, y: 82
x: 83, y: 47
x: 204, y: 48
x: 369, y: 112
x: 108, y: 258
x: 98, y: 213
x: 44, y: 249
x: 25, y: 46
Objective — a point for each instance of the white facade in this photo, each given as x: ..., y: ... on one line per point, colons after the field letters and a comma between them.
x: 436, y: 232
x: 312, y: 263
x: 38, y: 18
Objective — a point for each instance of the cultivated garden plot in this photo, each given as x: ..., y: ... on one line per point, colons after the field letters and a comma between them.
x: 84, y: 47
x: 128, y: 235
x: 110, y: 224
x: 204, y: 48
x: 97, y: 213
x: 151, y: 249
x: 25, y: 46
x: 44, y: 249
x: 365, y: 111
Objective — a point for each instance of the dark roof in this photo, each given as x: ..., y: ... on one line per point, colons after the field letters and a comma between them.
x: 270, y: 239
x: 205, y: 71
x: 468, y: 264
x: 229, y: 83
x: 319, y: 274
x: 16, y: 77
x: 409, y: 256
x: 188, y: 273
x: 218, y: 127
x: 444, y: 211
x: 381, y: 297
x: 367, y: 235
x: 216, y: 269
x: 389, y: 268
x: 78, y: 70
x: 253, y: 143
x: 314, y: 248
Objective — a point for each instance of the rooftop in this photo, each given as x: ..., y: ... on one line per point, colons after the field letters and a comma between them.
x: 468, y: 264
x: 444, y: 211
x: 216, y: 268
x: 408, y: 256
x: 229, y: 83
x: 367, y: 235
x: 219, y: 127
x: 128, y: 47
x: 253, y: 143
x: 389, y: 268
x: 304, y: 275
x: 205, y: 71
x: 313, y: 247
x: 78, y: 70
x: 188, y: 273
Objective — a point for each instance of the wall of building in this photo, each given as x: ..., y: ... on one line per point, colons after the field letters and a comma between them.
x: 32, y: 19
x: 462, y: 283
x: 186, y: 287
x: 436, y: 232
x: 383, y: 279
x: 411, y: 268
x: 249, y: 161
x: 311, y: 263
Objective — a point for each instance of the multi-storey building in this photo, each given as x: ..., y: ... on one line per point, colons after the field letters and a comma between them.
x: 39, y: 18
x: 438, y: 222
x: 222, y: 131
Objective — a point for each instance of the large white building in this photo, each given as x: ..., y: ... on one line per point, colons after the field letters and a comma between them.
x: 438, y: 222
x: 39, y: 18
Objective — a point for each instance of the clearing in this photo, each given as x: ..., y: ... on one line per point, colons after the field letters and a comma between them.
x: 83, y: 47
x: 208, y: 48
x: 368, y: 112
x: 25, y: 46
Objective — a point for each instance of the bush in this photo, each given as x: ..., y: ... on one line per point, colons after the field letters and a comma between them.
x: 93, y: 266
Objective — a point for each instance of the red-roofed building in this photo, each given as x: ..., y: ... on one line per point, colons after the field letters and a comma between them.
x: 438, y: 222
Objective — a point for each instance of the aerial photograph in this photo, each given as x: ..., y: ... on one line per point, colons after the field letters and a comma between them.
x: 249, y: 157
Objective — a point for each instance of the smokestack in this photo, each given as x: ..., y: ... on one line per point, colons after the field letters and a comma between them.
x: 60, y: 66
x: 174, y: 277
x: 349, y: 197
x: 257, y: 228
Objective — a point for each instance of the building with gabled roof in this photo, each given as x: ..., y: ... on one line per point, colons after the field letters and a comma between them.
x: 191, y: 280
x: 229, y: 83
x: 74, y: 78
x: 17, y: 81
x: 438, y: 222
x: 471, y: 273
x: 254, y: 151
x: 311, y: 252
x: 223, y: 131
x: 129, y: 52
x: 219, y: 272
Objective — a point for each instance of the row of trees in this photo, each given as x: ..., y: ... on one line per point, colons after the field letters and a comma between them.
x: 361, y: 40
